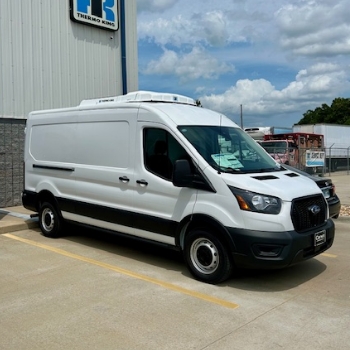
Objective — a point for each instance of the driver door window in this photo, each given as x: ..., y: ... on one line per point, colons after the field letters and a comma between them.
x: 161, y: 151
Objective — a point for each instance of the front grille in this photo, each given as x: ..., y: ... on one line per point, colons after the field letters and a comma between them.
x: 305, y: 215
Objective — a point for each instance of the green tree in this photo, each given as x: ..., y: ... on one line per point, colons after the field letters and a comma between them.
x: 337, y: 113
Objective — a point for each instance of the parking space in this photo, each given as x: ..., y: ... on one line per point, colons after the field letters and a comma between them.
x: 94, y: 291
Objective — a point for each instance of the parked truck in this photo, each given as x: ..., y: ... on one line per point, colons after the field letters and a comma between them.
x: 301, y: 150
x: 336, y: 141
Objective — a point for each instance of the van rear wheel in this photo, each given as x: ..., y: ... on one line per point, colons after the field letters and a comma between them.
x: 206, y: 257
x: 49, y: 221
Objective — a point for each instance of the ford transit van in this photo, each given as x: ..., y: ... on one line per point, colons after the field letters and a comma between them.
x: 157, y: 167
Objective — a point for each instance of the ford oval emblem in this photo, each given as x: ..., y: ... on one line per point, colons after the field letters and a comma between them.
x: 315, y: 209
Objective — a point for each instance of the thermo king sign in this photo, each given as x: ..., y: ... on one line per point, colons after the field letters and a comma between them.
x: 99, y: 13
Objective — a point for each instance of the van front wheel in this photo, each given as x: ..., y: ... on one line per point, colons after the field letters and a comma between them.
x: 206, y: 257
x: 49, y: 220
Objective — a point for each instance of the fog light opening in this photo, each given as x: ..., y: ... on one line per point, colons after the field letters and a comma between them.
x: 267, y: 251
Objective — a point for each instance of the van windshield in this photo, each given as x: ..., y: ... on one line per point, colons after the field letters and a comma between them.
x: 229, y: 149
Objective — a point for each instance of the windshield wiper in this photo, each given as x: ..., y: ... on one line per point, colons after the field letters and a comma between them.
x: 222, y: 169
x: 233, y: 170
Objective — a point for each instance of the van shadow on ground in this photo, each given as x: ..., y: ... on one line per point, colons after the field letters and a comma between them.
x: 153, y: 254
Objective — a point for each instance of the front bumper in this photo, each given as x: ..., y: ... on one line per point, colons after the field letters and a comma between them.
x: 273, y: 250
x: 334, y: 206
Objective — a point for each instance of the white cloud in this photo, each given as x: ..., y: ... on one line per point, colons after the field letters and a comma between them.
x: 249, y: 93
x: 213, y: 27
x: 155, y: 5
x: 313, y: 28
x: 176, y: 32
x: 321, y: 82
x: 299, y: 48
x: 190, y: 66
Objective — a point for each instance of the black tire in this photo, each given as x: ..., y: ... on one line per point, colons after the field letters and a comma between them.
x: 49, y: 221
x: 206, y: 257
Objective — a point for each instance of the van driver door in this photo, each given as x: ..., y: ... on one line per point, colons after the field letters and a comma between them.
x: 158, y: 205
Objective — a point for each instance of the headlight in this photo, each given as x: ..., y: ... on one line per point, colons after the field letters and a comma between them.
x: 261, y: 203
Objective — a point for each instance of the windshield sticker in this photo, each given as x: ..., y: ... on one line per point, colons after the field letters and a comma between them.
x: 227, y: 160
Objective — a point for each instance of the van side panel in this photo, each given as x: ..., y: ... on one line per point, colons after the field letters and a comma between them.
x: 53, y: 143
x: 100, y: 144
x: 49, y: 154
x: 84, y: 158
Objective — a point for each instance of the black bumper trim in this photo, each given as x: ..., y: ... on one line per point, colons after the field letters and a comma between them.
x: 295, y: 247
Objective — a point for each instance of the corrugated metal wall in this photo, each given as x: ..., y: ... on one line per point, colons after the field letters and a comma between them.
x: 131, y: 45
x: 48, y: 61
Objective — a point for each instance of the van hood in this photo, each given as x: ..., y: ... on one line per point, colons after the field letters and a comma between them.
x: 285, y: 185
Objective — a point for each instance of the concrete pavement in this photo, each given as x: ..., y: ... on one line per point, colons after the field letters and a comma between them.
x: 341, y: 180
x: 16, y: 219
x: 87, y: 291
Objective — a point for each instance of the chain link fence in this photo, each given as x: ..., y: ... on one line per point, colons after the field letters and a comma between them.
x: 11, y: 161
x: 318, y: 160
x: 337, y: 159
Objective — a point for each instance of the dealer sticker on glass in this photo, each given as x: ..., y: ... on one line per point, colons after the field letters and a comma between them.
x: 227, y: 160
x: 320, y: 238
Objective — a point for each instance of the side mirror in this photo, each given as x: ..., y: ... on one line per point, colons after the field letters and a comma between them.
x: 182, y: 174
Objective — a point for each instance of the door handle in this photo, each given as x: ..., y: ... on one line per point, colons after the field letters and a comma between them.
x: 124, y: 179
x: 142, y: 182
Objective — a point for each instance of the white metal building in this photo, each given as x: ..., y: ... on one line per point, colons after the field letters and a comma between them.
x: 53, y: 54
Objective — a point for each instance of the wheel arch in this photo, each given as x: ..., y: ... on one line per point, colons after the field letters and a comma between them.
x: 207, y: 223
x: 47, y: 196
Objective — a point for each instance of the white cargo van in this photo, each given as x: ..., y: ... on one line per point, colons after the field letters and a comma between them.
x: 157, y: 167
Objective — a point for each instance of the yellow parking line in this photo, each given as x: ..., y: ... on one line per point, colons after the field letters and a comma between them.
x: 329, y: 255
x: 129, y: 273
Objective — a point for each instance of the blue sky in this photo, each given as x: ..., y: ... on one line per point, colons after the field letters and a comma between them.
x: 276, y: 58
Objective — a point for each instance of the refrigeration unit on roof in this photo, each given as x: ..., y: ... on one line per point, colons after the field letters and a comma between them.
x: 141, y: 96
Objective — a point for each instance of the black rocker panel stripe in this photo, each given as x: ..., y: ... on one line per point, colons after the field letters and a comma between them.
x: 120, y: 217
